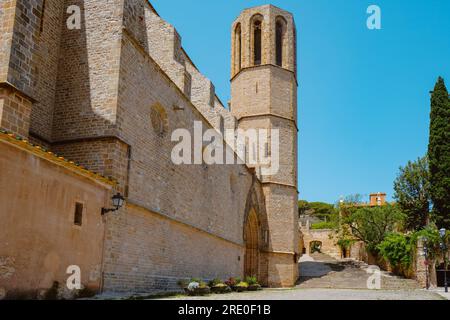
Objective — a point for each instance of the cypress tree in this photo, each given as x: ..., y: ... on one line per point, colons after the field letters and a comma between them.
x: 439, y: 154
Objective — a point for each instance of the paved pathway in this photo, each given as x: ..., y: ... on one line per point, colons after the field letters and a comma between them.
x: 324, y: 278
x: 322, y: 271
x: 322, y: 294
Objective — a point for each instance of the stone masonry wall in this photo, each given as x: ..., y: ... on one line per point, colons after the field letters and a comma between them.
x: 109, y: 98
x: 7, y: 18
x: 147, y: 252
x: 155, y: 181
x: 164, y: 46
x: 263, y: 96
x: 45, y: 66
x: 269, y: 15
x: 15, y: 110
x: 190, y: 225
x: 329, y: 245
x: 39, y: 239
x: 424, y: 271
x: 21, y: 68
x: 108, y: 156
x: 88, y: 73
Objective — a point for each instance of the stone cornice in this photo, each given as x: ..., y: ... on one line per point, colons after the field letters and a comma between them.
x: 262, y: 66
x: 269, y: 115
x: 287, y: 185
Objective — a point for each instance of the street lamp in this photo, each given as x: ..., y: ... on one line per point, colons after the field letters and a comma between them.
x: 443, y: 246
x: 118, y: 200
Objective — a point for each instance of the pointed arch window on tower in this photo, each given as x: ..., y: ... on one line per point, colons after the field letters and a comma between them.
x: 279, y: 41
x: 257, y: 42
x: 295, y: 50
x: 42, y: 16
x: 238, y: 48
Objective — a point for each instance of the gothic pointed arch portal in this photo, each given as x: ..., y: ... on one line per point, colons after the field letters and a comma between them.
x: 252, y: 254
x: 256, y: 235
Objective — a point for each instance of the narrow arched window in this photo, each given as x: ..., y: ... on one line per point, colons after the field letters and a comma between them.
x: 158, y: 118
x: 279, y: 39
x: 257, y: 42
x: 295, y: 50
x: 280, y: 29
x: 238, y: 48
x: 42, y: 16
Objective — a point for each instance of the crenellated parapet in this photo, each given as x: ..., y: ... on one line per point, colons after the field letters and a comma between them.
x: 163, y: 43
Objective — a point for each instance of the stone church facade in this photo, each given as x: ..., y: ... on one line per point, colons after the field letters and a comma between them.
x: 107, y: 97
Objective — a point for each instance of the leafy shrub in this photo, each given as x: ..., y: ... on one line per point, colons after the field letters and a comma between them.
x: 193, y: 285
x: 242, y: 284
x: 183, y: 283
x: 198, y: 288
x: 251, y: 281
x: 323, y: 225
x: 397, y: 249
x: 220, y: 288
x: 86, y: 293
x: 371, y: 224
x: 201, y: 283
x: 215, y: 282
x: 52, y: 293
x: 345, y: 243
x: 231, y: 282
x: 433, y: 240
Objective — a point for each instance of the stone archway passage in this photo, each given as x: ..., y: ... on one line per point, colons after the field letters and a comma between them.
x: 315, y: 246
x: 252, y: 255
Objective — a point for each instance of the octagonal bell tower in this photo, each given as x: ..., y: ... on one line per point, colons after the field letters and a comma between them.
x: 264, y: 96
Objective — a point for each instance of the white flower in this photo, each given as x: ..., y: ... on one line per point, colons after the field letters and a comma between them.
x: 193, y: 285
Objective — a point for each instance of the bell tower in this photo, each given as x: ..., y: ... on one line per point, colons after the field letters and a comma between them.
x: 264, y: 96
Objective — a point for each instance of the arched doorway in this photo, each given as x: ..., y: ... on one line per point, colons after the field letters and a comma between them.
x: 315, y: 246
x: 345, y: 252
x: 251, y: 236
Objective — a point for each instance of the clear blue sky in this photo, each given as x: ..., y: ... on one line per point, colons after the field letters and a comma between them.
x: 363, y: 95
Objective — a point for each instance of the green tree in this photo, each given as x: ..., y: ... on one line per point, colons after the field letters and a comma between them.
x: 439, y: 154
x: 353, y: 199
x: 412, y: 193
x: 397, y: 249
x: 323, y: 211
x: 303, y: 207
x: 372, y: 224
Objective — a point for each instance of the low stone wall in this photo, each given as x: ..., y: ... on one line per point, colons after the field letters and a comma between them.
x: 424, y: 271
x: 326, y: 237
